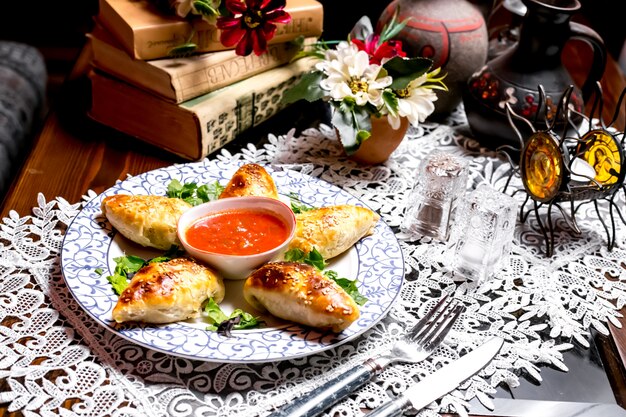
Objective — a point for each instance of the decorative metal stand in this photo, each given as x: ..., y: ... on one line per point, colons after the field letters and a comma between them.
x: 569, y: 168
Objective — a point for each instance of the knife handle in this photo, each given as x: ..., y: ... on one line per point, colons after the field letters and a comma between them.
x: 314, y: 403
x: 391, y: 408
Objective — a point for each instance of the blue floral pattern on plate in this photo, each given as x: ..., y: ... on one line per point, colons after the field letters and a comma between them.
x: 90, y: 243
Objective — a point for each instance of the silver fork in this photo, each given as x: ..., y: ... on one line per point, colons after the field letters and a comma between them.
x: 416, y: 345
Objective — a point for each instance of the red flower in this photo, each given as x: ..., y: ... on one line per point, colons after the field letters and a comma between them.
x: 377, y: 52
x: 252, y: 24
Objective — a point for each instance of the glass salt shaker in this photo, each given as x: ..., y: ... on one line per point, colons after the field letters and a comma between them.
x: 441, y: 179
x: 483, y: 232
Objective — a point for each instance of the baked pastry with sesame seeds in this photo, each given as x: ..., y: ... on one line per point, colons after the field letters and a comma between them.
x: 166, y: 292
x: 149, y: 220
x: 334, y: 229
x: 250, y: 179
x: 300, y: 293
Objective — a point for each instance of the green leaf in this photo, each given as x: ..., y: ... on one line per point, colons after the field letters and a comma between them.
x: 194, y: 201
x: 296, y: 205
x: 308, y: 88
x: 246, y: 321
x: 118, y: 282
x: 159, y: 259
x: 174, y: 188
x: 194, y: 194
x: 354, y: 126
x: 126, y: 266
x: 391, y: 102
x: 392, y: 27
x: 349, y: 286
x: 223, y: 10
x: 189, y: 190
x: 297, y: 42
x: 294, y: 255
x: 210, y: 192
x: 305, y: 53
x: 183, y: 50
x: 343, y: 122
x: 315, y: 50
x: 362, y: 135
x: 129, y: 264
x: 313, y: 258
x: 218, y: 321
x: 173, y: 252
x: 204, y: 8
x: 214, y: 312
x: 405, y: 70
x: 99, y: 271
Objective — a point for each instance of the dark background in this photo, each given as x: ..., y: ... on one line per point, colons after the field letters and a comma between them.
x: 57, y: 28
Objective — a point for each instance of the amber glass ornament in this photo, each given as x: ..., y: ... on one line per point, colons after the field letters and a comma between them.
x: 603, y: 152
x: 571, y: 169
x: 542, y: 166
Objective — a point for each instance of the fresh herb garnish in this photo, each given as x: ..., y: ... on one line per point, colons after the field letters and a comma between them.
x: 315, y: 259
x: 194, y: 194
x: 238, y: 320
x: 298, y: 206
x: 118, y: 281
x: 126, y: 266
x: 349, y: 287
x: 99, y: 271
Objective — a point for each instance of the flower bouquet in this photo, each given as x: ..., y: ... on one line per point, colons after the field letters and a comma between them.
x: 248, y: 24
x: 368, y: 76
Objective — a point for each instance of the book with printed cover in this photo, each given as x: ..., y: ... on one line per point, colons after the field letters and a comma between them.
x: 195, y: 128
x: 181, y: 79
x: 145, y: 32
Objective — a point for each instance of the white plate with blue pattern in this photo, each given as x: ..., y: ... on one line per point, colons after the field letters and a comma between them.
x: 90, y: 244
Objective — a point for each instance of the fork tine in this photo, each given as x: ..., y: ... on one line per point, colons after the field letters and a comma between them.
x: 422, y: 326
x: 442, y: 330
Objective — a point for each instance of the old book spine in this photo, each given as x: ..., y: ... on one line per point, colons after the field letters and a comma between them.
x: 199, y: 79
x: 148, y: 37
x: 246, y: 104
x: 181, y: 79
x: 197, y: 127
x: 112, y: 60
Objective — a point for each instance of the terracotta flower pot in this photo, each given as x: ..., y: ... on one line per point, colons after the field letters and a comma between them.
x: 381, y: 144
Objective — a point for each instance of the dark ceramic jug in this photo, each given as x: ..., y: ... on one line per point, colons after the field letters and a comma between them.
x: 514, y: 76
x: 452, y: 33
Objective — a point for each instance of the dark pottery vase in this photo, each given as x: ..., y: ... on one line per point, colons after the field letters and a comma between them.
x: 514, y: 76
x: 452, y: 33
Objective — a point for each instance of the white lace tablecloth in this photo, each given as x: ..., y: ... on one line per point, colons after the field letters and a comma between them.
x: 56, y: 360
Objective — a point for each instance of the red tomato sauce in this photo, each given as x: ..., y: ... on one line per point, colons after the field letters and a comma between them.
x: 237, y: 232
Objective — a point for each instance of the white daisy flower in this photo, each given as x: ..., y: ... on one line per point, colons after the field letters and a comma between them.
x: 415, y: 102
x: 349, y: 74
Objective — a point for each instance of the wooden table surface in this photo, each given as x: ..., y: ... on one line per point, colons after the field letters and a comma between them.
x: 72, y: 155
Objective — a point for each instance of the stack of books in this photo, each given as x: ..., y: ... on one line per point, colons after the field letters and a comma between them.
x: 191, y: 105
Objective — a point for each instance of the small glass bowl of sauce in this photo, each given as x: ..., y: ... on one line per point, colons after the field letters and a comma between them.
x: 237, y: 235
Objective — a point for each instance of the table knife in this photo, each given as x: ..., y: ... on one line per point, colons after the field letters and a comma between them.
x: 442, y: 381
